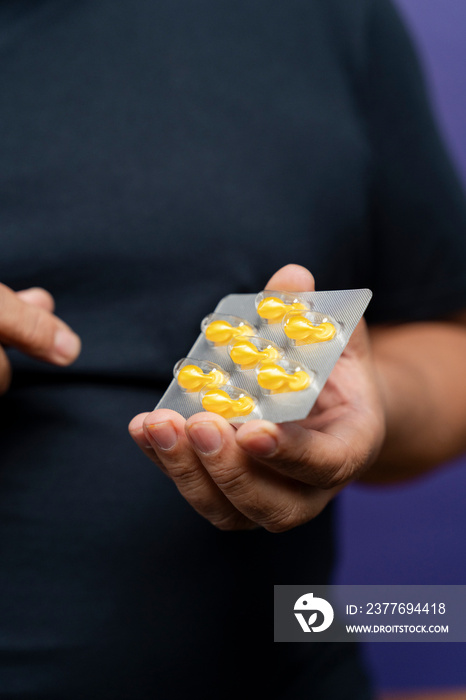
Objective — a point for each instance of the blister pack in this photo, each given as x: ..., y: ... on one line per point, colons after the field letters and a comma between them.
x: 265, y: 355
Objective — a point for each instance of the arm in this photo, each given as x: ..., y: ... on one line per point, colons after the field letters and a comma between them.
x: 421, y: 374
x: 418, y: 259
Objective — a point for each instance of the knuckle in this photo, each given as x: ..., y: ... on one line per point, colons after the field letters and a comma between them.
x: 297, y: 463
x: 285, y: 518
x: 203, y: 504
x: 343, y: 472
x: 47, y: 298
x: 218, y: 514
x: 330, y: 478
x: 231, y: 521
x: 279, y: 525
x: 193, y: 487
x: 333, y: 475
x: 37, y: 333
x: 185, y: 476
x: 233, y: 480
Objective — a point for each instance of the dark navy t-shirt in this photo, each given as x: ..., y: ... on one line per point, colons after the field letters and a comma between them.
x: 155, y: 156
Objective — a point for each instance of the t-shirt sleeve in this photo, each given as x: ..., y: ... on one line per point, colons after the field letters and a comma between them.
x: 418, y: 206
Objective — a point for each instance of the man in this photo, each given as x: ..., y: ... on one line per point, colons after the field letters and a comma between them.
x: 156, y: 157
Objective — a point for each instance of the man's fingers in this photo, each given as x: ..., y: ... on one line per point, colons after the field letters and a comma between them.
x: 262, y: 494
x: 136, y: 430
x: 37, y: 297
x: 309, y: 456
x: 35, y: 331
x: 292, y: 278
x: 5, y: 372
x: 164, y: 431
x: 226, y: 486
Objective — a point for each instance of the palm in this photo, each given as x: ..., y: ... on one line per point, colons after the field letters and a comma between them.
x: 348, y: 408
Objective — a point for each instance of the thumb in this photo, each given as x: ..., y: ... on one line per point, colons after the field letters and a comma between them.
x: 292, y: 278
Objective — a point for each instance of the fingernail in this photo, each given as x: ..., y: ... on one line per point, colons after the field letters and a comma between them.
x: 67, y: 344
x: 206, y: 437
x: 163, y: 434
x: 260, y: 443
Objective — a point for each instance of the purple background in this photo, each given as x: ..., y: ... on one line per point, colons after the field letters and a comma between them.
x: 416, y: 533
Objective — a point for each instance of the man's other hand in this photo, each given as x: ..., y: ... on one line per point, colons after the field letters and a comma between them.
x: 27, y: 322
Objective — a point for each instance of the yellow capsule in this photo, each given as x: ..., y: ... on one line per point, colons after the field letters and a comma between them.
x: 192, y: 378
x: 274, y: 309
x: 218, y: 401
x: 304, y: 332
x: 245, y: 354
x: 222, y: 332
x: 277, y: 380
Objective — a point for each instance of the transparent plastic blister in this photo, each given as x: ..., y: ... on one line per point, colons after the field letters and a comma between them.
x: 265, y: 355
x: 221, y: 329
x: 272, y: 306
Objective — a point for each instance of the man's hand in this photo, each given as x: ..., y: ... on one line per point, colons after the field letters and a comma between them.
x: 27, y: 323
x: 273, y: 476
